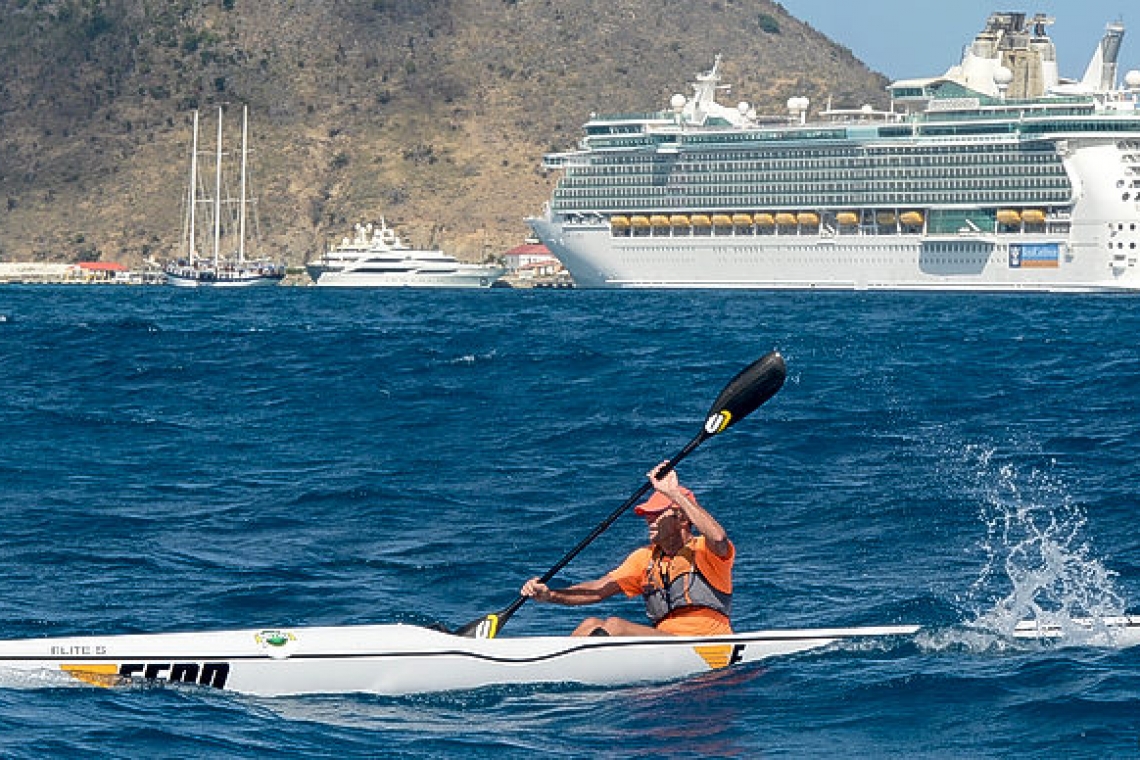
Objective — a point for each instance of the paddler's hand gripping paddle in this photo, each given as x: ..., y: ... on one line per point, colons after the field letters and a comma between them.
x: 743, y: 395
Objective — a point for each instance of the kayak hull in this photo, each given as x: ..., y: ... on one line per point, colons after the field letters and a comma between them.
x: 390, y: 659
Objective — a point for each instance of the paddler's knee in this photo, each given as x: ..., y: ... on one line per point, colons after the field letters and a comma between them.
x: 588, y: 627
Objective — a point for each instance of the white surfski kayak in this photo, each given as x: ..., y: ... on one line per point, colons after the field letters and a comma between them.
x: 390, y: 659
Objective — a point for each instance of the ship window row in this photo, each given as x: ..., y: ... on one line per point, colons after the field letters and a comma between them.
x: 1014, y: 162
x: 743, y: 194
x: 921, y: 154
x: 642, y: 166
x: 999, y: 152
x: 1107, y: 125
x: 947, y: 125
x: 995, y: 196
x: 939, y: 175
x: 796, y: 200
x: 1078, y: 109
x: 878, y: 151
x: 685, y: 175
x: 729, y: 183
x: 955, y: 248
x: 907, y: 163
x: 765, y: 162
x: 738, y: 188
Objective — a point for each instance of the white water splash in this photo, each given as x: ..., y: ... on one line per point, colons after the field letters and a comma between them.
x: 1040, y: 566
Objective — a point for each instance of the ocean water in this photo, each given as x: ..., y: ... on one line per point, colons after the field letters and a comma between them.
x: 174, y: 460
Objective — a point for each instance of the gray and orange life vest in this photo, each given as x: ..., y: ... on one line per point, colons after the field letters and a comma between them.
x: 673, y: 583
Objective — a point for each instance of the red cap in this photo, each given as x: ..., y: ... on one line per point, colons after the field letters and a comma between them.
x: 659, y: 502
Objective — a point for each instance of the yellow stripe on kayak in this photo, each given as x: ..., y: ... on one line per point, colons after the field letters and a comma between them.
x: 717, y: 656
x: 96, y: 675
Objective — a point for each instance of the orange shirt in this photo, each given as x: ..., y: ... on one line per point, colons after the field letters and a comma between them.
x: 632, y: 577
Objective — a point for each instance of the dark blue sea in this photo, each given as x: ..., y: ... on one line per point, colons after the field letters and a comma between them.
x: 174, y: 460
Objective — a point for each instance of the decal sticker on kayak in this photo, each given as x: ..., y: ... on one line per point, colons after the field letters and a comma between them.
x: 276, y: 643
x: 721, y: 655
x: 213, y: 674
x: 78, y: 650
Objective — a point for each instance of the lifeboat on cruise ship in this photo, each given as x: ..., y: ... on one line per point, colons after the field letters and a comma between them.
x: 847, y: 218
x: 700, y: 220
x: 785, y: 219
x: 721, y: 220
x: 657, y: 220
x: 1009, y: 217
x: 679, y: 220
x: 639, y: 221
x: 742, y: 220
x: 911, y: 218
x: 885, y: 218
x: 1033, y: 216
x: 619, y: 221
x: 764, y: 220
x: 807, y: 219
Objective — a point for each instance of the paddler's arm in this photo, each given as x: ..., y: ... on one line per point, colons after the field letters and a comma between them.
x: 715, y: 535
x: 572, y: 596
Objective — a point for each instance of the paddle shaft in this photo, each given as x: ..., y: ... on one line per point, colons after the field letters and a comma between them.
x: 602, y: 526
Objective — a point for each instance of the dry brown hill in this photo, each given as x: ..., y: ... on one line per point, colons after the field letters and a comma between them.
x: 434, y: 113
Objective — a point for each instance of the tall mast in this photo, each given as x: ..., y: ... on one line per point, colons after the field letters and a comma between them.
x: 193, y: 243
x: 218, y: 194
x: 241, y: 216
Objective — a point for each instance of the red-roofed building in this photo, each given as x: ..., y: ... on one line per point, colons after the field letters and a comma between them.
x: 99, y: 270
x: 528, y: 254
x: 533, y: 265
x: 102, y: 266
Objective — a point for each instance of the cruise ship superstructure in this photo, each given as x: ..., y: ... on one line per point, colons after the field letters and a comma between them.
x: 998, y: 175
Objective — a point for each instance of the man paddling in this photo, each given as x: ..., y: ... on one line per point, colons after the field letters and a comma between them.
x: 684, y: 577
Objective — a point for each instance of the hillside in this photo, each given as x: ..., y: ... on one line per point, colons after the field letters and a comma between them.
x: 434, y: 113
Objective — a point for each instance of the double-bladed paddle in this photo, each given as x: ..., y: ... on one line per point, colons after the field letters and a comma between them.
x: 743, y: 395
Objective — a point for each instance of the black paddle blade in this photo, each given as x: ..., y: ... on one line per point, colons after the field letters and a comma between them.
x: 744, y: 394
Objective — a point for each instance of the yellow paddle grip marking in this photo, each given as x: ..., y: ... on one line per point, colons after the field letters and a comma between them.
x: 489, y: 627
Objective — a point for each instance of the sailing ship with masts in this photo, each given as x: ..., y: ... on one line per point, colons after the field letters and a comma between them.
x: 208, y: 265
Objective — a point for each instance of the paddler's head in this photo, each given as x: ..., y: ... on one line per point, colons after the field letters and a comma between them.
x: 667, y: 523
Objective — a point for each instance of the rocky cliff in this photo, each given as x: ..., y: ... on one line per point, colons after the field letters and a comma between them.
x: 434, y: 113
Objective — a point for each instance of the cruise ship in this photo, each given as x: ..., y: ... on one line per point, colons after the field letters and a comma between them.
x: 998, y: 175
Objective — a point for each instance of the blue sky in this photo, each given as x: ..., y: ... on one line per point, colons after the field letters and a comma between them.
x: 912, y: 38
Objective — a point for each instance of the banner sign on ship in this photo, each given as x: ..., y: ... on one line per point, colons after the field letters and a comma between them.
x: 1034, y: 256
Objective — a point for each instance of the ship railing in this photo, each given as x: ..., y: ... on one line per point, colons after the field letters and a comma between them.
x: 561, y: 160
x: 609, y: 119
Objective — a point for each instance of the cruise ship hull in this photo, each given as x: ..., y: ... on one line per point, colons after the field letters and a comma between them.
x: 597, y: 259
